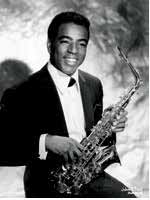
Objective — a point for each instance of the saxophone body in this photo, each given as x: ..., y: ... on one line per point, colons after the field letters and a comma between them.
x: 95, y: 157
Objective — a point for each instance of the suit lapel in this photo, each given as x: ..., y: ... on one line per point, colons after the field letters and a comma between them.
x: 52, y: 100
x: 87, y: 103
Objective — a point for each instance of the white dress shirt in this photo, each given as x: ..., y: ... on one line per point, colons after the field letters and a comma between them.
x: 70, y: 98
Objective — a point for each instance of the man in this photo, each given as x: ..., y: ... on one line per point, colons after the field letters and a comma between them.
x: 60, y: 104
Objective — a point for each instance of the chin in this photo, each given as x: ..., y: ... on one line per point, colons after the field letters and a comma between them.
x: 70, y: 72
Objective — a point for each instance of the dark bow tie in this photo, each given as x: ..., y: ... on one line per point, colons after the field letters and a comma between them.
x: 71, y: 82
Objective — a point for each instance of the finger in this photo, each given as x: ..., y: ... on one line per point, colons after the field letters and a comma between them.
x: 108, y: 109
x: 80, y: 147
x: 118, y: 130
x: 123, y: 114
x: 71, y: 155
x: 65, y: 157
x: 77, y: 145
x: 77, y: 153
x: 123, y: 120
x: 119, y: 125
x: 120, y: 119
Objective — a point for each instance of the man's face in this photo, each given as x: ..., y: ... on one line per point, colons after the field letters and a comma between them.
x: 69, y: 48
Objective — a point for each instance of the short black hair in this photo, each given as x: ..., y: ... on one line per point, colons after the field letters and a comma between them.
x: 67, y: 17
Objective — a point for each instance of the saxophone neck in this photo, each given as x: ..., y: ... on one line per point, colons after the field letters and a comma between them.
x: 138, y: 80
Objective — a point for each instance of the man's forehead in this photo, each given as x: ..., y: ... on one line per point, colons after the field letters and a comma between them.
x: 72, y: 30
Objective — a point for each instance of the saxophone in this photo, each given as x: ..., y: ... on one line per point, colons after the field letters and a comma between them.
x: 95, y: 156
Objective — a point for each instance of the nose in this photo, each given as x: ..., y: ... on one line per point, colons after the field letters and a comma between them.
x: 73, y: 48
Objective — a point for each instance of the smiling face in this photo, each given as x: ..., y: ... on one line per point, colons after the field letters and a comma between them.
x: 68, y: 51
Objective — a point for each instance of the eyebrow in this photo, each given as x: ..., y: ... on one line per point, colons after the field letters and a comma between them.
x: 67, y: 37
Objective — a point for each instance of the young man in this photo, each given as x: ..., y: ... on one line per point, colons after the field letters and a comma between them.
x: 60, y: 104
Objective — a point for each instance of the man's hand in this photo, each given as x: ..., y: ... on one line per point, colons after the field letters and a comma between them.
x: 119, y: 124
x: 67, y: 147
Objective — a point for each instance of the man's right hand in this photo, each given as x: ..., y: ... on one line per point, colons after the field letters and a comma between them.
x: 67, y: 147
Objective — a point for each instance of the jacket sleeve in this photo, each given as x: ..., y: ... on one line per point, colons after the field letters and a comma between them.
x: 18, y: 144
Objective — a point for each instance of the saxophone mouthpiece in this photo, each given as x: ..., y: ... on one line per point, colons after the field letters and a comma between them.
x: 122, y: 54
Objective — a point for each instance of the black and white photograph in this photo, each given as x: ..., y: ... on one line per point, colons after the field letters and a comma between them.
x: 74, y: 99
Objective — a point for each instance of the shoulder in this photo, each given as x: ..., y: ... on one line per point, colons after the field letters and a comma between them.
x: 31, y: 82
x: 23, y: 89
x: 90, y: 79
x: 87, y: 75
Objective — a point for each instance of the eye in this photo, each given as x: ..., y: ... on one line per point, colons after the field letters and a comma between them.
x: 83, y: 44
x: 64, y: 42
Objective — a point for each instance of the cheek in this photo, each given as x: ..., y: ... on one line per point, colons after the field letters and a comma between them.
x: 82, y: 54
x: 58, y: 55
x: 60, y: 52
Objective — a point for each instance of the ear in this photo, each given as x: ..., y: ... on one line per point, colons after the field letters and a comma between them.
x: 48, y: 46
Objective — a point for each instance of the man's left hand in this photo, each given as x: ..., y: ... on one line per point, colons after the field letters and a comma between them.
x: 120, y: 122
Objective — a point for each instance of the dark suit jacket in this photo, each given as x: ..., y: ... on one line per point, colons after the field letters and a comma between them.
x: 33, y: 108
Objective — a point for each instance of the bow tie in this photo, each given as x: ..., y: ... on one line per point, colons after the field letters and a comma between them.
x: 71, y: 82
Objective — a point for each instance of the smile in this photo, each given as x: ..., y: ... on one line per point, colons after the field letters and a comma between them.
x: 71, y: 61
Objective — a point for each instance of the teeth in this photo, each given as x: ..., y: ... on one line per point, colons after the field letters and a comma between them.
x: 71, y: 60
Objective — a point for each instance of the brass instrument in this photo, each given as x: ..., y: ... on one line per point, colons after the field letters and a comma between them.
x: 95, y: 157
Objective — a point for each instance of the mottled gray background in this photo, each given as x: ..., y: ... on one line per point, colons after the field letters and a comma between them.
x: 23, y: 28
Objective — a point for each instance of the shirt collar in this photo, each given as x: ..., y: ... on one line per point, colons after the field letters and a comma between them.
x: 61, y: 79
